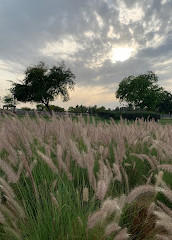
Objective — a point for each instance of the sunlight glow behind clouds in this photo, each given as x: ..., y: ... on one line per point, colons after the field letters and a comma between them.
x: 121, y: 54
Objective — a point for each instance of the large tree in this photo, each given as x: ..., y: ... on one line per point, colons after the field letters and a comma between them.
x: 140, y: 91
x: 42, y: 84
x: 165, y: 106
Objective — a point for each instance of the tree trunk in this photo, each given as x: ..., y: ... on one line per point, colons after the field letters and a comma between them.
x: 48, y: 108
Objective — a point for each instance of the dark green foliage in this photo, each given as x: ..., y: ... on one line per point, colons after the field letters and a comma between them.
x: 165, y: 106
x: 41, y: 107
x: 26, y: 109
x: 145, y: 115
x: 78, y: 109
x: 56, y: 108
x: 42, y: 84
x: 109, y: 114
x: 133, y: 115
x: 141, y: 91
x: 8, y: 100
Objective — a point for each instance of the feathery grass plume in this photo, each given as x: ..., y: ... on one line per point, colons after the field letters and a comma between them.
x: 33, y: 164
x: 165, y: 221
x: 102, y: 188
x: 89, y: 143
x: 48, y: 148
x: 49, y: 162
x: 85, y: 194
x: 54, y: 201
x: 89, y: 161
x: 162, y: 237
x: 136, y: 192
x: 86, y: 140
x: 159, y: 178
x: 168, y: 193
x: 76, y: 154
x: 167, y: 167
x: 165, y: 208
x: 13, y: 177
x: 148, y: 180
x: 101, y: 149
x: 103, y: 173
x: 26, y: 165
x: 127, y: 164
x: 137, y: 155
x: 155, y: 161
x: 15, y: 206
x: 106, y: 153
x: 134, y: 165
x: 122, y: 235
x: 13, y: 156
x: 6, y: 188
x: 8, y: 214
x: 150, y: 210
x: 111, y: 228
x: 109, y: 206
x: 104, y: 179
x: 95, y: 218
x: 144, y: 156
x: 61, y: 163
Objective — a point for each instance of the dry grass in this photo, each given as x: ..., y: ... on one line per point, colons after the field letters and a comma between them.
x: 68, y: 179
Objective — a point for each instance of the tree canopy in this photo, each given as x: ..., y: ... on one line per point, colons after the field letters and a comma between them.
x: 8, y: 100
x: 42, y: 84
x: 165, y: 106
x: 141, y: 91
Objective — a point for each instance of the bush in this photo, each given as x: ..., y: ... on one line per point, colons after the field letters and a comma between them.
x: 26, y: 109
x: 139, y: 114
x: 109, y: 114
x: 133, y: 115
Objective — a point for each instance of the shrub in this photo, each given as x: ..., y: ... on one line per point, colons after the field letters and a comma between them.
x: 133, y: 115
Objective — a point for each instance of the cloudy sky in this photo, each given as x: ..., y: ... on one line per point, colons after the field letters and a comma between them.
x: 102, y: 41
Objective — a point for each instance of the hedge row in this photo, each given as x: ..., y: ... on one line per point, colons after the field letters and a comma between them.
x: 133, y: 115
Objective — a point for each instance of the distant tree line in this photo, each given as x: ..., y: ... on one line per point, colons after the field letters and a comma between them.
x: 42, y: 84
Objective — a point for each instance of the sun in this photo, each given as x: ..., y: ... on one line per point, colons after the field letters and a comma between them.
x: 121, y: 54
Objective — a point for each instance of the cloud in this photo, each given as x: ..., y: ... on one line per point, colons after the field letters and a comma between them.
x: 65, y: 48
x: 85, y: 34
x: 129, y: 15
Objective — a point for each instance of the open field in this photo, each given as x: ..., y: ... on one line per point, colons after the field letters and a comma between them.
x: 67, y: 179
x: 165, y: 121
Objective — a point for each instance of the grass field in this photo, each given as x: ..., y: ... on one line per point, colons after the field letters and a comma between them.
x: 84, y: 179
x: 165, y: 120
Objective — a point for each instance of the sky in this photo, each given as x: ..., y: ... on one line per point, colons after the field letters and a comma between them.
x: 102, y: 41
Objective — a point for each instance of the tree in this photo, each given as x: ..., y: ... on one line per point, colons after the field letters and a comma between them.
x: 8, y: 100
x: 141, y: 91
x: 78, y: 109
x: 42, y: 84
x: 165, y: 106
